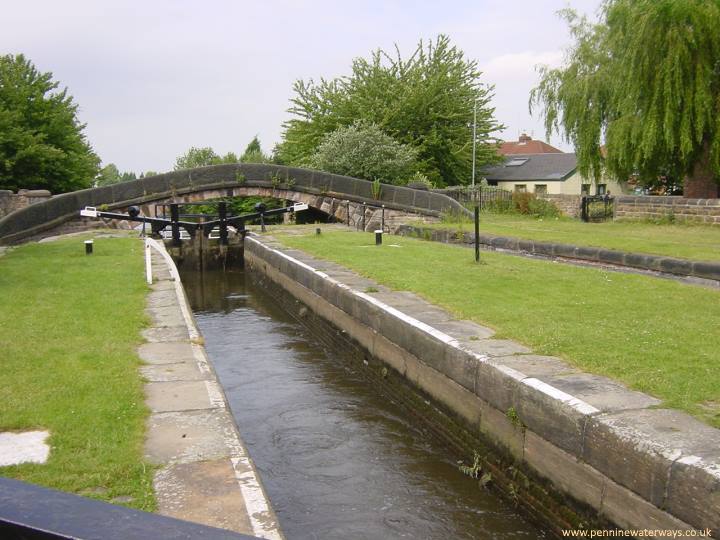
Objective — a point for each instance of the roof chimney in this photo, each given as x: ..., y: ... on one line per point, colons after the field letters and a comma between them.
x: 525, y: 138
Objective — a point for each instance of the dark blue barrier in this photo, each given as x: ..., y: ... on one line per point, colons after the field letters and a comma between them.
x: 32, y: 512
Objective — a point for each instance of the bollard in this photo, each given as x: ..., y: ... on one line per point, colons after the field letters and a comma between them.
x: 378, y: 237
x: 88, y: 247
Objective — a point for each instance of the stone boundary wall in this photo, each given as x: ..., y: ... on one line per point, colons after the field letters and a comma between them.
x: 9, y: 201
x: 610, y: 450
x: 568, y: 205
x: 658, y: 207
x: 655, y: 263
x: 61, y: 208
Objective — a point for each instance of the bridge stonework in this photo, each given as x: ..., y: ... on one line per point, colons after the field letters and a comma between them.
x: 337, y: 208
x: 328, y: 193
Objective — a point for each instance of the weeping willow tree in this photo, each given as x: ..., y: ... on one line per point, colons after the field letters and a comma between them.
x: 645, y: 81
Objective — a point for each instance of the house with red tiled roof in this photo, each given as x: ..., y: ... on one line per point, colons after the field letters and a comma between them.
x: 527, y: 145
x: 552, y: 173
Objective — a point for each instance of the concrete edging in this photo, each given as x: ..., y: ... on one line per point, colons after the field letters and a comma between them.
x: 655, y: 263
x: 608, y: 448
x: 206, y: 474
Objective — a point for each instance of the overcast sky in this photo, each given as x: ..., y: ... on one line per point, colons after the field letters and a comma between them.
x: 154, y: 78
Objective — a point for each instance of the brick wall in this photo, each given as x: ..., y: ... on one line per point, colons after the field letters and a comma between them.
x: 656, y: 207
x: 9, y: 201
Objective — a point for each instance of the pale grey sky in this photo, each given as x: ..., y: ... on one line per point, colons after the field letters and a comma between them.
x: 153, y: 78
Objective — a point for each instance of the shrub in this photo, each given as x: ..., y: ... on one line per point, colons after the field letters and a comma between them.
x: 543, y: 208
x: 529, y: 204
x: 521, y: 201
x: 420, y: 181
x: 364, y: 151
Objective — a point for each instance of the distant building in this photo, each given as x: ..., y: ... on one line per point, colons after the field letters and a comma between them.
x: 543, y: 173
x: 526, y: 145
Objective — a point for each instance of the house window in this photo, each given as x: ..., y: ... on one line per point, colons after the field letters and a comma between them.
x: 602, y: 189
x: 585, y: 189
x: 541, y: 189
x: 516, y: 162
x: 520, y: 188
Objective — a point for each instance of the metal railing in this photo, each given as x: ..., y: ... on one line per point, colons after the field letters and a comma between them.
x: 486, y: 197
x: 597, y: 208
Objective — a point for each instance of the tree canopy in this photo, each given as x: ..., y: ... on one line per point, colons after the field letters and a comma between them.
x: 253, y: 153
x: 645, y: 82
x: 42, y: 145
x: 202, y: 157
x: 364, y: 151
x: 110, y: 174
x: 425, y: 101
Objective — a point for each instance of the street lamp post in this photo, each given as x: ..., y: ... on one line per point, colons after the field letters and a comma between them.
x: 474, y: 139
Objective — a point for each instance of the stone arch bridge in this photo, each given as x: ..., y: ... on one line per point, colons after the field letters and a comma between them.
x: 341, y: 197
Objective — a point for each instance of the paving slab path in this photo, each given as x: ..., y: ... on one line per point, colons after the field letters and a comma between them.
x: 205, y: 474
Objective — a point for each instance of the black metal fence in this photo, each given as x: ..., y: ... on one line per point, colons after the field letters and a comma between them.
x: 597, y: 208
x: 486, y: 197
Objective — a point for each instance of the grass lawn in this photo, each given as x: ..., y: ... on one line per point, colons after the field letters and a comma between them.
x: 69, y: 325
x: 699, y: 242
x: 658, y: 336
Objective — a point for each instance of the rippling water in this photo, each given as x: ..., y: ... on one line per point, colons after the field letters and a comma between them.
x: 337, y: 459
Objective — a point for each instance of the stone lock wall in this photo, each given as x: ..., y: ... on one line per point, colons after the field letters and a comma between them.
x: 609, y: 453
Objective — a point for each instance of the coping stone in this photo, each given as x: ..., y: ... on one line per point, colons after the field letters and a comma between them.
x: 553, y: 419
x: 182, y: 437
x: 694, y: 490
x: 645, y: 444
x: 534, y: 365
x: 177, y: 396
x: 159, y: 299
x: 601, y: 392
x: 495, y: 347
x: 205, y: 492
x: 168, y: 352
x: 464, y: 330
x: 165, y: 316
x: 183, y: 371
x: 166, y: 334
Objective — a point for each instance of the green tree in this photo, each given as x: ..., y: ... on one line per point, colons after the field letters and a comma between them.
x: 197, y: 157
x: 202, y: 157
x: 111, y: 175
x: 364, y: 151
x: 645, y: 80
x: 42, y: 145
x: 253, y: 153
x: 424, y: 101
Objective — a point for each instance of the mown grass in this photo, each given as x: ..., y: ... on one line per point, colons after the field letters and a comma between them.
x: 69, y: 326
x: 686, y: 241
x: 657, y: 336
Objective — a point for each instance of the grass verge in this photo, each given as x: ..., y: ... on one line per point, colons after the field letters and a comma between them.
x: 657, y: 336
x: 69, y: 326
x: 685, y: 241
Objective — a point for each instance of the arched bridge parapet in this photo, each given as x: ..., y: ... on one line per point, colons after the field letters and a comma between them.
x: 285, y: 182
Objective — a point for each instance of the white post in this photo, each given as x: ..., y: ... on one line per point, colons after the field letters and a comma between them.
x: 148, y: 262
